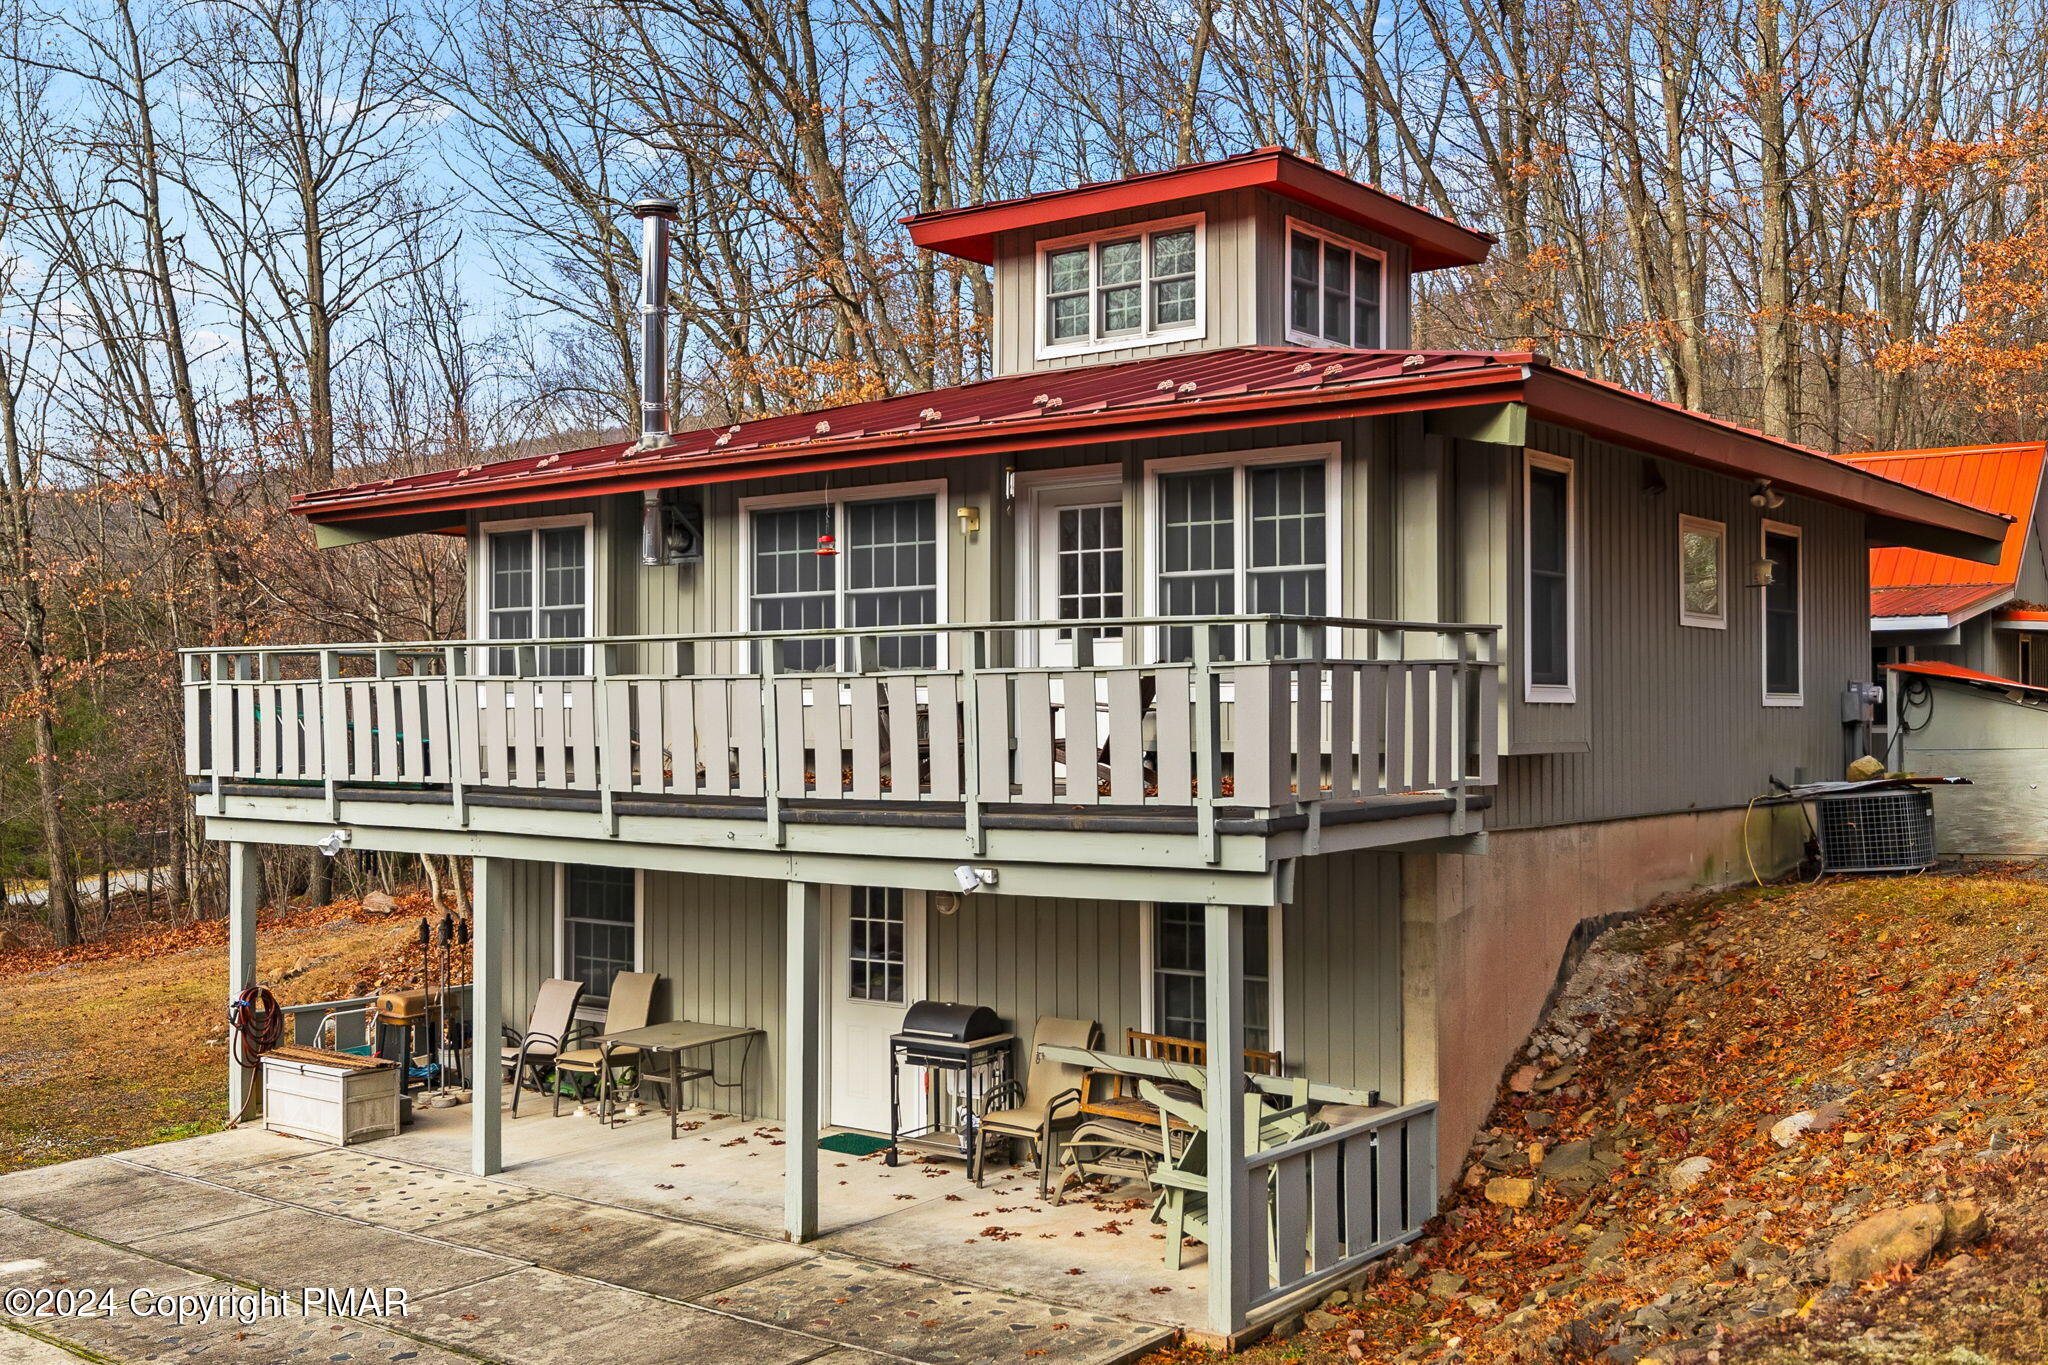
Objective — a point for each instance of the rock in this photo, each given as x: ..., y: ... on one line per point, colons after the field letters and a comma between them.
x: 1319, y: 1321
x: 1688, y: 1173
x: 1337, y: 1299
x: 1786, y: 1131
x: 1514, y: 1192
x: 1481, y: 1306
x: 1540, y: 1120
x: 1285, y: 1327
x: 1607, y: 1243
x: 1445, y: 1285
x: 379, y: 903
x: 1523, y: 1081
x: 1895, y: 1237
x: 1963, y: 1224
x: 1557, y: 1078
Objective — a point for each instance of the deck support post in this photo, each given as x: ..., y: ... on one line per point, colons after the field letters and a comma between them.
x: 486, y: 1006
x: 245, y: 895
x: 1231, y: 1229
x: 803, y: 952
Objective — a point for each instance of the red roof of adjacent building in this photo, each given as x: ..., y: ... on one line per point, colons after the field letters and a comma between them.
x: 1433, y: 242
x: 2005, y: 479
x: 1957, y: 673
x: 1208, y: 391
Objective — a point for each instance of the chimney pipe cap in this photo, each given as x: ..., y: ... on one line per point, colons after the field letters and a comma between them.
x: 656, y: 208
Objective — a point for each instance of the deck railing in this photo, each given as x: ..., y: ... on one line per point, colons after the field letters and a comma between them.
x: 1186, y: 714
x: 1341, y: 1198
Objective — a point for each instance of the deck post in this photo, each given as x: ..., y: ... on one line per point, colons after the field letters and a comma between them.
x: 1230, y: 1204
x: 486, y: 996
x: 245, y: 895
x: 802, y: 952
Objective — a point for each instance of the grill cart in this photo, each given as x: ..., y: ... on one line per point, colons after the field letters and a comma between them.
x: 952, y: 1045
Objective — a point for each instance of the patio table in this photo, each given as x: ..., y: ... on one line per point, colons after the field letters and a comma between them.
x: 673, y: 1040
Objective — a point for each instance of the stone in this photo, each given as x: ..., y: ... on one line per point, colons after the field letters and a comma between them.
x: 1786, y: 1131
x: 1558, y: 1078
x: 1523, y: 1081
x: 1513, y: 1192
x: 1445, y: 1285
x: 1540, y: 1120
x: 1481, y: 1306
x: 1963, y: 1224
x: 1319, y: 1321
x: 379, y: 903
x: 1607, y: 1243
x: 1688, y: 1173
x: 1895, y: 1237
x: 1337, y: 1299
x: 1285, y: 1327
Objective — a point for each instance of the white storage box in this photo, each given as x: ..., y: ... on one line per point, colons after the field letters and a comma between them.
x: 341, y: 1101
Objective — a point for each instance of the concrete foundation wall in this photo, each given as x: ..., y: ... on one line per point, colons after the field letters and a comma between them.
x: 1480, y: 935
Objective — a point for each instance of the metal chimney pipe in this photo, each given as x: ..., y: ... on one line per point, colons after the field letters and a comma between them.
x: 655, y: 215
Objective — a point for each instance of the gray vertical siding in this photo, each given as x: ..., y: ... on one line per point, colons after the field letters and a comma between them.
x: 1674, y: 715
x: 717, y: 943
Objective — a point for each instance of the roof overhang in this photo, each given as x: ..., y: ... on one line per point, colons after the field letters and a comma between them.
x: 1433, y: 242
x: 1899, y: 513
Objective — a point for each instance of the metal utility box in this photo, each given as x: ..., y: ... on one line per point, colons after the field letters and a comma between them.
x: 329, y: 1097
x: 1876, y: 831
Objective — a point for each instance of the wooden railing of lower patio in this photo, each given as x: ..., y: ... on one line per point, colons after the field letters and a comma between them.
x: 1257, y: 713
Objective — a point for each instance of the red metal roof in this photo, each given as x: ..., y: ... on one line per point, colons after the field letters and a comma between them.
x: 2005, y: 479
x: 1957, y: 673
x: 1959, y: 600
x: 1433, y: 242
x: 1211, y: 391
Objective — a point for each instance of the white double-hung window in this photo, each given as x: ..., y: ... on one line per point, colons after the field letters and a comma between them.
x: 860, y: 557
x: 1122, y: 287
x: 1334, y: 288
x: 1247, y: 534
x: 536, y: 586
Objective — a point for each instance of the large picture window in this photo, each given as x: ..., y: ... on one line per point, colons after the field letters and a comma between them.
x: 1247, y: 538
x: 537, y: 587
x: 1123, y: 287
x: 599, y: 927
x: 852, y: 562
x: 1177, y: 990
x: 1550, y: 552
x: 1782, y: 626
x: 1334, y: 290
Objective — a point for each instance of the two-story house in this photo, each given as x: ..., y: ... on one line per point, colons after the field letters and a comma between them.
x: 1222, y: 668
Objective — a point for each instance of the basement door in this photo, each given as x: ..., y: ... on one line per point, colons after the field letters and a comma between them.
x: 877, y: 971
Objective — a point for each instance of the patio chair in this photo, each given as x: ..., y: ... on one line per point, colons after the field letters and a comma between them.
x: 630, y: 1005
x: 1050, y: 1098
x: 547, y: 1034
x: 1183, y: 1179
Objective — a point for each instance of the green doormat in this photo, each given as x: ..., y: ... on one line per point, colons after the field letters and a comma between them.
x: 853, y: 1144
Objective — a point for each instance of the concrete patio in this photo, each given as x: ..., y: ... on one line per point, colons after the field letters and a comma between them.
x: 594, y: 1244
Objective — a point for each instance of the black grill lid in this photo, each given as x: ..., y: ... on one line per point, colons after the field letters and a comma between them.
x: 944, y: 1020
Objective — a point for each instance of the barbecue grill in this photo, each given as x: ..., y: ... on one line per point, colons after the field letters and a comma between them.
x: 939, y: 1036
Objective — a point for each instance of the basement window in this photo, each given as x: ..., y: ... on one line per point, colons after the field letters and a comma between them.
x: 1126, y: 286
x: 600, y: 934
x: 1176, y: 997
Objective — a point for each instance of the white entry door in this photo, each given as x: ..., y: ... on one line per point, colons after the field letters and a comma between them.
x: 1079, y: 569
x: 877, y: 970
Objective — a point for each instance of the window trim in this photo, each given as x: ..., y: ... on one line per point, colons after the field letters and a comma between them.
x: 1330, y: 453
x: 1351, y: 244
x: 1045, y: 348
x: 480, y: 576
x: 1688, y: 523
x: 561, y: 971
x: 1765, y: 531
x: 837, y: 497
x: 1567, y: 692
x: 1276, y: 965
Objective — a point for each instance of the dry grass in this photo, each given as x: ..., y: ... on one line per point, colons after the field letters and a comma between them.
x: 123, y: 1043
